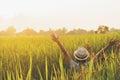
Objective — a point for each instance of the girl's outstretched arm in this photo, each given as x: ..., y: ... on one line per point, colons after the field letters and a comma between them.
x: 117, y: 48
x: 111, y: 42
x: 55, y: 38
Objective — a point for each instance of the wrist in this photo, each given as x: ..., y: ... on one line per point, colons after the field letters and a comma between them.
x: 57, y: 41
x: 110, y: 45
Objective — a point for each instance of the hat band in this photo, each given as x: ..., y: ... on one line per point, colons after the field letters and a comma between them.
x: 80, y: 58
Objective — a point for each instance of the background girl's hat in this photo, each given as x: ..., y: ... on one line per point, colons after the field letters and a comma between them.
x: 81, y: 54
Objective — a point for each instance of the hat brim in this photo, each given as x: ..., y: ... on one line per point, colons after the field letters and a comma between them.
x: 81, y: 59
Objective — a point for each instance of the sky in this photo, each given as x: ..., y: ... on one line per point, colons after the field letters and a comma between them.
x: 45, y: 14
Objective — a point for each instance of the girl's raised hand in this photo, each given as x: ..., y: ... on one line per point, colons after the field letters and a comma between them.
x: 54, y: 37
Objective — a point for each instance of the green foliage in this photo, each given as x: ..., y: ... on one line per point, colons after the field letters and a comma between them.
x: 39, y: 58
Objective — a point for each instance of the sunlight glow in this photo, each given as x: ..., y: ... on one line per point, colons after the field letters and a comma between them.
x: 45, y: 14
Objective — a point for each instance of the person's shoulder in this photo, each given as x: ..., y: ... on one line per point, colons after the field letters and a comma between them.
x: 71, y: 63
x: 75, y: 65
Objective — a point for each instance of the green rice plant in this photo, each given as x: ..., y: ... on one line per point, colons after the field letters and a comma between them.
x: 30, y: 70
x: 61, y: 69
x: 1, y: 70
x: 39, y: 58
x: 41, y: 78
x: 46, y: 68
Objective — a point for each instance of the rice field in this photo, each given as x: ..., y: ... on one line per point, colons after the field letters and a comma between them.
x: 39, y: 58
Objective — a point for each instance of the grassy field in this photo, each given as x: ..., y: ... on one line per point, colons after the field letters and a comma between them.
x: 39, y: 58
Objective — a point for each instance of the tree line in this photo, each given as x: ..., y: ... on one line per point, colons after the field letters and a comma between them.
x: 11, y: 31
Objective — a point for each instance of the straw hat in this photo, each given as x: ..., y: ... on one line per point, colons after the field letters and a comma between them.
x: 81, y: 54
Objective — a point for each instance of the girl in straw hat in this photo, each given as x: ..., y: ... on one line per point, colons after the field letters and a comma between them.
x: 83, y: 54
